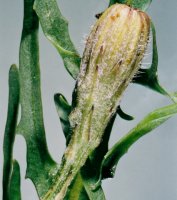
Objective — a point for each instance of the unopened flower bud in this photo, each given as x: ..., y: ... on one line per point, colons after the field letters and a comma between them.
x: 112, y: 56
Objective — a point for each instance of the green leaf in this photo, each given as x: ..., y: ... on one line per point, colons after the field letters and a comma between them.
x: 139, y: 4
x: 55, y: 28
x: 148, y: 77
x: 150, y: 122
x: 63, y: 110
x: 10, y: 128
x: 40, y: 165
x: 14, y: 190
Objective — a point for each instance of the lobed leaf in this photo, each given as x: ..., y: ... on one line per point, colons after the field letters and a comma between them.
x: 10, y: 129
x: 150, y: 122
x: 139, y: 4
x: 55, y: 28
x: 31, y: 126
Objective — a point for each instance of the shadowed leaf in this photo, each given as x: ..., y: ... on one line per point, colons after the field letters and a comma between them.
x: 123, y: 115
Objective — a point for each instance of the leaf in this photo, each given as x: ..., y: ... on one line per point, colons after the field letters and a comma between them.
x: 55, y: 28
x: 150, y: 122
x: 139, y: 4
x: 15, y: 193
x: 148, y: 77
x: 10, y: 128
x: 123, y: 115
x: 40, y: 165
x: 63, y: 110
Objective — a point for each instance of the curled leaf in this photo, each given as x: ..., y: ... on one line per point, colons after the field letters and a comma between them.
x: 124, y: 115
